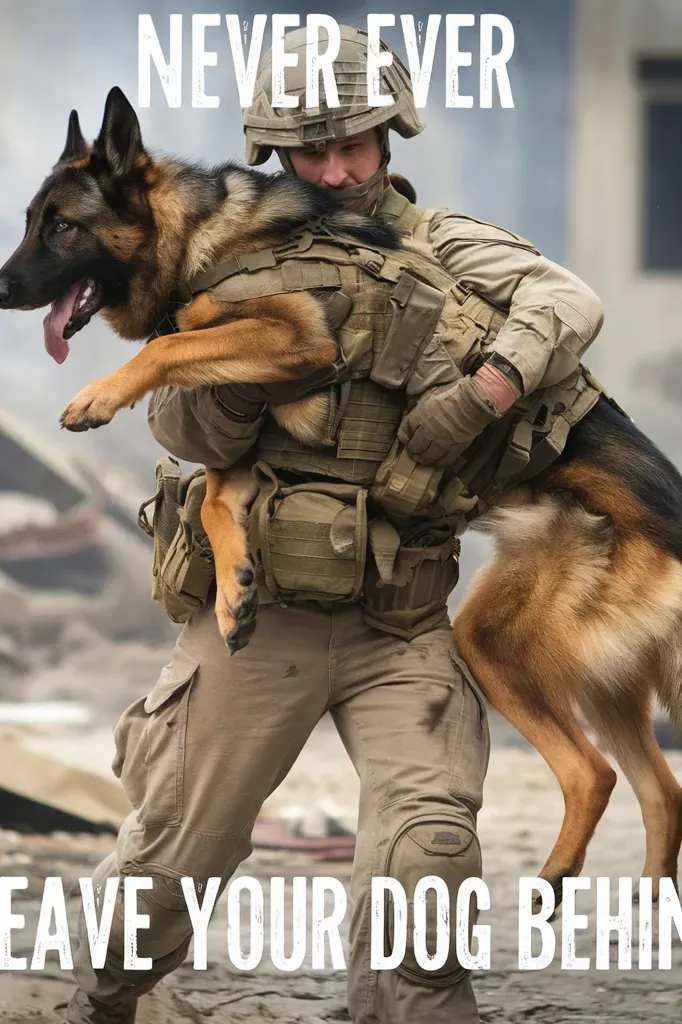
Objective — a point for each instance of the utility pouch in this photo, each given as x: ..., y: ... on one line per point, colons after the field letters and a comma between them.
x: 417, y: 308
x: 407, y: 583
x: 309, y: 540
x: 183, y: 570
x: 403, y: 486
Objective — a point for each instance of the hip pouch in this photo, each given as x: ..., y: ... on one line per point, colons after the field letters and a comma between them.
x: 183, y: 570
x: 409, y: 580
x: 309, y: 540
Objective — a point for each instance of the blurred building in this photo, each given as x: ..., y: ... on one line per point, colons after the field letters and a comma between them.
x: 625, y: 195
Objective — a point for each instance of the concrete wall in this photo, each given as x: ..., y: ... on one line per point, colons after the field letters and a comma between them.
x: 637, y: 351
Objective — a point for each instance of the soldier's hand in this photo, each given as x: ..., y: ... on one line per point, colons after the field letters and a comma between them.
x: 446, y: 420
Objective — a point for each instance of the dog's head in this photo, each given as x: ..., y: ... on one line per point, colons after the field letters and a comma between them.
x: 86, y: 228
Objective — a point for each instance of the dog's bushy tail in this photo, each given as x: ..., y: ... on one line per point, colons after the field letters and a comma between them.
x: 610, y: 441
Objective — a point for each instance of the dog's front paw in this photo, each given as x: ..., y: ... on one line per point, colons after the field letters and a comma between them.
x: 92, y: 407
x: 236, y: 607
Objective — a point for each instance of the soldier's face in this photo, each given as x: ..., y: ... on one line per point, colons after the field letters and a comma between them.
x: 339, y: 164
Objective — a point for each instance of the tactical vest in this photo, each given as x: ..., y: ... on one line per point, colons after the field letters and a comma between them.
x: 355, y: 518
x: 403, y: 324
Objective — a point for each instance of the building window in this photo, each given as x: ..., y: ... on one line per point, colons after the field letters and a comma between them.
x: 660, y: 82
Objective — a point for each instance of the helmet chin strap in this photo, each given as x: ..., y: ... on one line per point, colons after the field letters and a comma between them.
x: 369, y: 191
x: 356, y: 191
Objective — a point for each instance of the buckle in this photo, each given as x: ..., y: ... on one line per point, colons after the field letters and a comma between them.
x: 320, y: 130
x: 250, y: 261
x: 300, y: 242
x: 372, y: 261
x: 339, y: 369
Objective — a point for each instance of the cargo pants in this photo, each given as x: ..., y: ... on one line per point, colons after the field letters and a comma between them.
x: 217, y: 734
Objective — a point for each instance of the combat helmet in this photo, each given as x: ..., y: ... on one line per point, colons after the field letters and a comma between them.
x: 269, y: 128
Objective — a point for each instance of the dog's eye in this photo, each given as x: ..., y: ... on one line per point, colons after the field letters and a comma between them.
x: 61, y: 225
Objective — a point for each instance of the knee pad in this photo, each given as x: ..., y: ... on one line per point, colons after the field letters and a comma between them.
x: 439, y: 845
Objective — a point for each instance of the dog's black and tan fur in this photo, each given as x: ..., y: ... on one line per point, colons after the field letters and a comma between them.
x: 581, y: 603
x: 135, y: 230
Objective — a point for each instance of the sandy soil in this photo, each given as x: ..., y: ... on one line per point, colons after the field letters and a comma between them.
x: 518, y: 824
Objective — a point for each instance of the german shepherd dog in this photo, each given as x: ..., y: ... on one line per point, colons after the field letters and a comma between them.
x: 581, y: 603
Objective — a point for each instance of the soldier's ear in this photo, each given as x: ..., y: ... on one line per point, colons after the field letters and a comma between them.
x: 75, y: 146
x: 120, y: 138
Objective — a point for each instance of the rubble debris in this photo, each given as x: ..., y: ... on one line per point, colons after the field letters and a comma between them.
x: 80, y: 637
x: 49, y: 712
x: 104, y: 674
x: 69, y: 537
x: 519, y: 821
x: 281, y: 834
x: 23, y: 814
x: 41, y: 794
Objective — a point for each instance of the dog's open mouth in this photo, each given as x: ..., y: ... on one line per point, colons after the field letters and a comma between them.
x: 69, y: 314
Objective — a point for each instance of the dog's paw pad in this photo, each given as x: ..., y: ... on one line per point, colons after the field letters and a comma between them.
x: 240, y: 636
x: 248, y: 607
x: 245, y: 577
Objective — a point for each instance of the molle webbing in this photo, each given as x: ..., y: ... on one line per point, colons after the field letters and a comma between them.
x: 183, y: 561
x: 385, y: 286
x: 398, y: 300
x: 515, y: 449
x: 313, y: 259
x: 367, y: 416
x: 395, y: 302
x: 422, y: 575
x: 315, y: 540
x: 310, y: 539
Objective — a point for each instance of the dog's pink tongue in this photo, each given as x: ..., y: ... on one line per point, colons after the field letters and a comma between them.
x: 55, y: 322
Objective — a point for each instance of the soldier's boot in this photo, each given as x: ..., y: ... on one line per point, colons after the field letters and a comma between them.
x: 83, y: 1009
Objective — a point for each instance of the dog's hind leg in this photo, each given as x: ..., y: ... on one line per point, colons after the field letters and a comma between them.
x: 223, y: 515
x: 585, y: 777
x: 625, y: 727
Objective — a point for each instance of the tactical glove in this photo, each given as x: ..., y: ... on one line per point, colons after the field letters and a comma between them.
x: 447, y: 419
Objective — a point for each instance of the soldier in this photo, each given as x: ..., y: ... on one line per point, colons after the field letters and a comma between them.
x: 218, y: 734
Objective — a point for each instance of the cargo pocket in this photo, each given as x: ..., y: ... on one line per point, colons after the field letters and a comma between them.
x: 151, y: 745
x: 470, y: 760
x: 129, y: 740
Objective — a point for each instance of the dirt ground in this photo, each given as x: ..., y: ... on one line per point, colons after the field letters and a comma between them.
x: 518, y: 824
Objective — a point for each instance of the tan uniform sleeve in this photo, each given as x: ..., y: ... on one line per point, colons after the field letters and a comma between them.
x: 553, y: 315
x: 210, y: 426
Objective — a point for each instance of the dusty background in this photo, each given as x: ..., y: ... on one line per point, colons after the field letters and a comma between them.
x: 518, y: 823
x: 88, y: 646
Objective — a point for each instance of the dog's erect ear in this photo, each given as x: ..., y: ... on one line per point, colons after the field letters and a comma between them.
x: 76, y: 146
x: 120, y: 139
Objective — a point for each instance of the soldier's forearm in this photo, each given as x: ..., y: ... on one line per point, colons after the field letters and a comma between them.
x: 553, y: 319
x: 498, y: 386
x: 210, y: 426
x: 553, y: 315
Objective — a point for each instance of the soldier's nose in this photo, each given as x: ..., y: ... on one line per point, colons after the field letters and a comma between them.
x: 335, y: 174
x: 5, y: 291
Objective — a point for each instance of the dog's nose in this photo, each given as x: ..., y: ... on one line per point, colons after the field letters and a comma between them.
x: 5, y: 291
